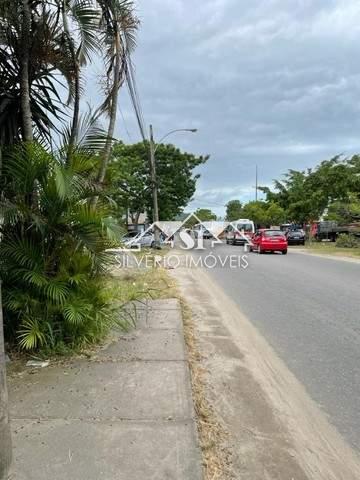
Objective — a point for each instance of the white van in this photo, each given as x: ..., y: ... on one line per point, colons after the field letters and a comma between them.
x: 239, y: 229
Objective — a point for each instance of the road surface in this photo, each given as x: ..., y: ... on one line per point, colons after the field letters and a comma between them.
x: 308, y: 310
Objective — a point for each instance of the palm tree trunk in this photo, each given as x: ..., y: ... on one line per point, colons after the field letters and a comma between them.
x: 5, y: 436
x: 113, y: 112
x: 24, y: 74
x: 76, y: 112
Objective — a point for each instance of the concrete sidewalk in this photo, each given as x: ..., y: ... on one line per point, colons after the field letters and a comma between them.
x: 125, y: 414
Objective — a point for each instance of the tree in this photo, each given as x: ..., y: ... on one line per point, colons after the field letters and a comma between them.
x: 205, y: 214
x: 27, y: 129
x: 29, y: 56
x: 119, y: 25
x: 129, y: 182
x: 305, y: 195
x: 233, y: 210
x: 345, y: 211
x: 275, y: 215
x: 53, y: 251
x: 85, y: 16
x: 256, y: 211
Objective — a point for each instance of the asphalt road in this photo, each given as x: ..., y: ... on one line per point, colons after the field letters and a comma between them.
x: 308, y: 309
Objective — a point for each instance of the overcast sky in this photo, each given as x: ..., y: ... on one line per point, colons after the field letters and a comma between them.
x: 268, y: 82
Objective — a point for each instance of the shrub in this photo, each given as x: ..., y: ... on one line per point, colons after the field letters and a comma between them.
x: 345, y: 240
x: 53, y: 259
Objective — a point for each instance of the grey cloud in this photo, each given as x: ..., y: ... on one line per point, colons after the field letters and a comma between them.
x: 268, y: 82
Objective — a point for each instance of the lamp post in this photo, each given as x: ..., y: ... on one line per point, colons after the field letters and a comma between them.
x: 153, y: 148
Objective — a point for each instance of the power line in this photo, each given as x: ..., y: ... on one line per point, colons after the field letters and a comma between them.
x: 125, y: 126
x: 134, y: 95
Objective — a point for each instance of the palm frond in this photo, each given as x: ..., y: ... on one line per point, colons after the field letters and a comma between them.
x: 56, y: 291
x: 86, y: 19
x: 30, y: 334
x: 76, y: 313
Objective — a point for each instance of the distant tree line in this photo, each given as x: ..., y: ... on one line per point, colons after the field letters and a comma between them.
x: 331, y: 190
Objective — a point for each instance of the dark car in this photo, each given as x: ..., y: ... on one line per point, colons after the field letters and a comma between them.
x: 296, y: 237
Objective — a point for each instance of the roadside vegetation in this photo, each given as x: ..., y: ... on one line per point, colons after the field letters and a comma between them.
x: 330, y: 191
x: 56, y: 222
x: 345, y: 246
x: 67, y: 186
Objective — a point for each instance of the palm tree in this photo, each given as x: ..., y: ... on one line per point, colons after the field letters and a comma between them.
x: 53, y: 251
x: 36, y: 43
x: 29, y: 58
x: 119, y: 25
x: 27, y: 128
x: 84, y: 15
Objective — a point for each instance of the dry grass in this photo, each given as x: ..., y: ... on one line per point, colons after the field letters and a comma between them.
x: 212, y: 436
x: 134, y: 284
x: 329, y: 248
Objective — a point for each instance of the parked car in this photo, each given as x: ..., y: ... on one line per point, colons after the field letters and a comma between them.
x: 207, y: 235
x: 129, y: 236
x: 287, y: 227
x: 296, y: 237
x: 269, y: 241
x: 201, y: 232
x: 140, y: 240
x: 236, y: 232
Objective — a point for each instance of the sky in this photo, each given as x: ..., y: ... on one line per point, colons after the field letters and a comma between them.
x: 273, y: 83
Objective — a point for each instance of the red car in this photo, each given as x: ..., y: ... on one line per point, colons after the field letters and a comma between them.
x: 269, y: 241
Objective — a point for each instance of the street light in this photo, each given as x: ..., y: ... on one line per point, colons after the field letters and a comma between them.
x: 192, y: 130
x: 153, y: 149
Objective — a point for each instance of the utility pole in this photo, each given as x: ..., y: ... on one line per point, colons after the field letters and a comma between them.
x: 256, y: 183
x: 154, y: 189
x: 154, y: 184
x: 5, y: 436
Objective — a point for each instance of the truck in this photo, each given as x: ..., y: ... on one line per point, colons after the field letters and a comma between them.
x: 329, y: 230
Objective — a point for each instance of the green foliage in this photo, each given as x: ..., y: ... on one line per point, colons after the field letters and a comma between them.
x: 304, y: 195
x: 63, y: 36
x: 275, y: 214
x: 53, y: 250
x: 55, y: 221
x: 264, y: 213
x: 205, y: 214
x: 45, y: 56
x: 234, y: 210
x: 344, y: 211
x: 347, y: 241
x: 129, y: 181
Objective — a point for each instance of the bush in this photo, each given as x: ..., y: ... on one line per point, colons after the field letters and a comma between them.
x: 53, y: 260
x: 345, y: 240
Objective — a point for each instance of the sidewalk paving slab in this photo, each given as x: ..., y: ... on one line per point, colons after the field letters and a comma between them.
x: 125, y: 414
x: 74, y: 450
x: 146, y: 344
x: 140, y: 390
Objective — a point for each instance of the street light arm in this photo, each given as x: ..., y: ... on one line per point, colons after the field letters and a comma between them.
x: 153, y: 149
x: 192, y: 130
